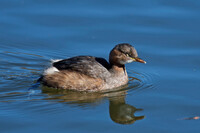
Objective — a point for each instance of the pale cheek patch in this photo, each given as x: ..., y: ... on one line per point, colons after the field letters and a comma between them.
x: 50, y: 70
x: 124, y: 62
x: 129, y: 61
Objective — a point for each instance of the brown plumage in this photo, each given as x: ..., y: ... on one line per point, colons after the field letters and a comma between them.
x: 87, y: 73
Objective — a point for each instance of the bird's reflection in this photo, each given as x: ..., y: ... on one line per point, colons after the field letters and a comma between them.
x: 120, y: 112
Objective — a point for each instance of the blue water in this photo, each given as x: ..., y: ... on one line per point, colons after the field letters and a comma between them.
x: 161, y: 95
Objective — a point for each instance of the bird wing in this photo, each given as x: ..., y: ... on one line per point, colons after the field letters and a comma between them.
x: 92, y: 66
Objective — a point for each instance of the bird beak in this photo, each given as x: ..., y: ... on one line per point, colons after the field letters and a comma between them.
x: 139, y: 60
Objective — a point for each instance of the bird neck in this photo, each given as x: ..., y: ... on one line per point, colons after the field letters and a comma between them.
x: 115, y: 69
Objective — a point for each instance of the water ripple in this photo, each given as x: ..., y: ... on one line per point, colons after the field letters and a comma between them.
x: 142, y: 81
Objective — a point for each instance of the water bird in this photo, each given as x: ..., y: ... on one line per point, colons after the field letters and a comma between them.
x: 88, y: 73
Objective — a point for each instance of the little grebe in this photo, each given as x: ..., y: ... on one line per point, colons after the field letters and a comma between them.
x: 88, y: 73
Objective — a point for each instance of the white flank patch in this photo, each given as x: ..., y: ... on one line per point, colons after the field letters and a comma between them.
x: 55, y: 60
x: 50, y: 70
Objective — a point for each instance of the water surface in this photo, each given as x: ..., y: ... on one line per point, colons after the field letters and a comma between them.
x: 161, y: 94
